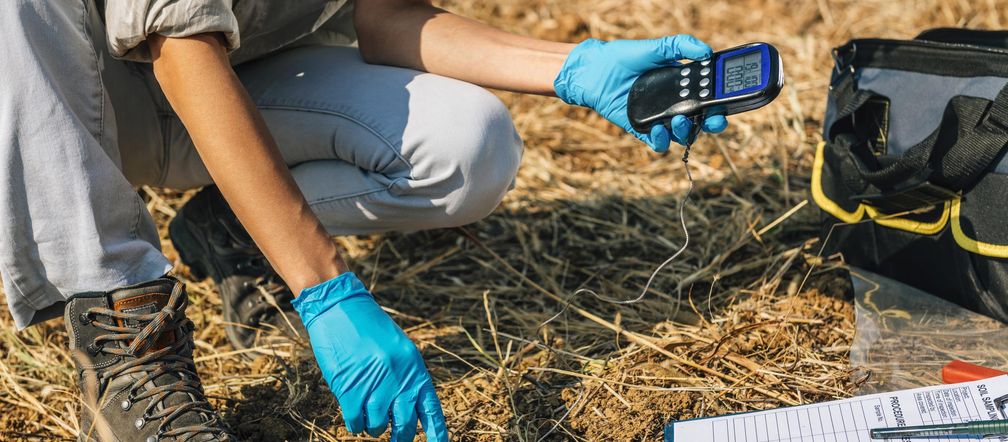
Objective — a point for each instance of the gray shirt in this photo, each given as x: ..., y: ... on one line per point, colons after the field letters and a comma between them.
x: 252, y: 28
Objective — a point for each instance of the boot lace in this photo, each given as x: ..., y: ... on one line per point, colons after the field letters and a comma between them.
x: 129, y: 342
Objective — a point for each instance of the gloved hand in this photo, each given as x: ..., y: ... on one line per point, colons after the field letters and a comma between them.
x: 599, y: 74
x: 370, y: 364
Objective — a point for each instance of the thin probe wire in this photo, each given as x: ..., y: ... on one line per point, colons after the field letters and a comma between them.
x: 639, y: 298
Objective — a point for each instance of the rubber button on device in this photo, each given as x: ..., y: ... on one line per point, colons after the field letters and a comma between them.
x: 684, y: 93
x: 704, y: 82
x: 684, y: 82
x: 705, y: 63
x: 685, y: 72
x: 704, y: 71
x: 704, y: 93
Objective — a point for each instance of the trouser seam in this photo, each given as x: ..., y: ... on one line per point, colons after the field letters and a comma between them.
x: 354, y: 195
x: 166, y: 130
x: 139, y: 214
x: 101, y: 81
x: 101, y: 115
x: 388, y: 143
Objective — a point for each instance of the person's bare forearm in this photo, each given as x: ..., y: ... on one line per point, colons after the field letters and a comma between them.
x: 414, y: 34
x: 243, y: 159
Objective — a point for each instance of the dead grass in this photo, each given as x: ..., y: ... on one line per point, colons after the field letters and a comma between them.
x: 742, y: 321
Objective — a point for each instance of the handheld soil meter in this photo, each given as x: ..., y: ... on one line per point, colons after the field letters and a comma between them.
x: 732, y: 81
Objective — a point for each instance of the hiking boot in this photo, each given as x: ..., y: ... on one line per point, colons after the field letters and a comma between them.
x: 257, y: 303
x: 133, y: 351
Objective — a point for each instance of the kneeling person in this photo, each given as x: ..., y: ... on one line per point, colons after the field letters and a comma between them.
x: 301, y: 139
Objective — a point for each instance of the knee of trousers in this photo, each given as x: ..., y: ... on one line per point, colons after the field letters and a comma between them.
x: 479, y: 152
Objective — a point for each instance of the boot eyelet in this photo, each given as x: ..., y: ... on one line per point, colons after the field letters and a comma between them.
x: 152, y: 439
x: 125, y: 404
x: 139, y: 423
x: 84, y: 318
x: 92, y: 349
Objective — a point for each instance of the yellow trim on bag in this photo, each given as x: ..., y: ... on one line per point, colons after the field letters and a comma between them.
x: 951, y: 210
x: 970, y: 244
x: 911, y: 225
x: 820, y: 197
x: 831, y: 207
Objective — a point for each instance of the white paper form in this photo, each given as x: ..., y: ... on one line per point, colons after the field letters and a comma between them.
x: 849, y: 420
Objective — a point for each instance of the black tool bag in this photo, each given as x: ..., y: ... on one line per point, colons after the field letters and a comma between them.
x: 912, y: 178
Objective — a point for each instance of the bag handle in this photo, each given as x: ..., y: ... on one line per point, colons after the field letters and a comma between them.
x: 972, y: 135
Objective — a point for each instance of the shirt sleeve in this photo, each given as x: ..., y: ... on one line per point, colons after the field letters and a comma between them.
x: 130, y: 22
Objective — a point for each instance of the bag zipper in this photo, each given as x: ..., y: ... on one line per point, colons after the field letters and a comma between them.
x: 929, y: 57
x: 975, y: 37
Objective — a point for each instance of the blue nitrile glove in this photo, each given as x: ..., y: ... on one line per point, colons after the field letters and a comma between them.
x: 370, y: 364
x: 599, y: 74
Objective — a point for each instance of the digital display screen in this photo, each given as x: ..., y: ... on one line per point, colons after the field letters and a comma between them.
x: 742, y: 71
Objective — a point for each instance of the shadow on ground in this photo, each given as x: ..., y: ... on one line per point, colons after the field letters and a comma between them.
x: 478, y: 298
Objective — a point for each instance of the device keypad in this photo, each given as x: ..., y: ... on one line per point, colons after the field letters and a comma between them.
x: 696, y: 82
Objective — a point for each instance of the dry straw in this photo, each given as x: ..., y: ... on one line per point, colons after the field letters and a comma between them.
x: 592, y: 209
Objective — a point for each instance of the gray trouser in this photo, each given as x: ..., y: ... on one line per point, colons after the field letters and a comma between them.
x: 373, y: 149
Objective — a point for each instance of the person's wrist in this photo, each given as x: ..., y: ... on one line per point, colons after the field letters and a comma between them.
x: 311, y: 265
x: 318, y: 299
x: 553, y: 61
x: 565, y: 85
